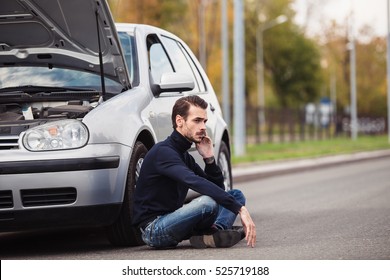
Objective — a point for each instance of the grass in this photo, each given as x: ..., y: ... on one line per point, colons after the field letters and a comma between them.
x: 310, y: 149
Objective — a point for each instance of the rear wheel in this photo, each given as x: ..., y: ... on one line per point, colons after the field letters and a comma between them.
x: 122, y: 233
x: 225, y: 165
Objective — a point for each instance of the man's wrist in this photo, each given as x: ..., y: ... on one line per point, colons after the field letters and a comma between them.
x: 209, y: 160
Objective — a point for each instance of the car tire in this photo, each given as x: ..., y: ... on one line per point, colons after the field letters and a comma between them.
x: 122, y: 233
x: 225, y: 165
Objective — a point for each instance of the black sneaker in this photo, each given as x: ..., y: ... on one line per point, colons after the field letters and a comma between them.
x: 241, y: 230
x: 220, y: 239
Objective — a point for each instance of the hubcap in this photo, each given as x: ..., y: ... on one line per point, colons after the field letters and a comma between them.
x: 224, y: 165
x: 138, y: 168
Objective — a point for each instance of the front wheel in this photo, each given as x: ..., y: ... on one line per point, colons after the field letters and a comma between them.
x: 122, y: 233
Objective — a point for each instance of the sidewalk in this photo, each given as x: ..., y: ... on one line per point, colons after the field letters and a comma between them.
x: 255, y: 171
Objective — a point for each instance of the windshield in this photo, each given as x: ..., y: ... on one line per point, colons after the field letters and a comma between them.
x: 12, y: 77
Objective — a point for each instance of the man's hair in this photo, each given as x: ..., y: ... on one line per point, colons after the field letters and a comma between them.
x: 182, y: 106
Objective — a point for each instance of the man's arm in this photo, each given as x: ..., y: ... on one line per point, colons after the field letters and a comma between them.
x: 212, y: 171
x: 171, y: 164
x: 205, y: 149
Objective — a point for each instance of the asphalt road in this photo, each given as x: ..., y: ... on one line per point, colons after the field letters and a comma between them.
x: 340, y: 212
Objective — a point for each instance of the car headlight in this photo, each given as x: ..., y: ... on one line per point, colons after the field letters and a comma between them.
x: 58, y: 135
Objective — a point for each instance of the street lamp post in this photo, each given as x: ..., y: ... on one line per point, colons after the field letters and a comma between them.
x: 352, y: 59
x: 225, y: 62
x: 202, y: 34
x: 239, y: 79
x: 260, y: 62
x: 388, y: 70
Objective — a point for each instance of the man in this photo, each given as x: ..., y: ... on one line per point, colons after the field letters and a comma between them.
x: 168, y: 171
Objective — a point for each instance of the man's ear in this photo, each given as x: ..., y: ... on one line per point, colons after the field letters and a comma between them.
x: 179, y: 121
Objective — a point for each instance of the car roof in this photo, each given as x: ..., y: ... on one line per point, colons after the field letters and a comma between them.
x: 144, y: 28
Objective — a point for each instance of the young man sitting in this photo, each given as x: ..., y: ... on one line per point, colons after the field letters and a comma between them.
x: 169, y: 171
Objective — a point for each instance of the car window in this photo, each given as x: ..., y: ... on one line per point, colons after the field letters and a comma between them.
x: 159, y: 62
x: 202, y: 84
x: 129, y: 52
x: 199, y: 78
x: 180, y: 61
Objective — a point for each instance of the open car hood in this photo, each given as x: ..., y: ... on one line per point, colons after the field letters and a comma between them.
x: 61, y: 33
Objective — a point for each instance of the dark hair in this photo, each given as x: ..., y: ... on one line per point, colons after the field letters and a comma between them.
x: 182, y: 106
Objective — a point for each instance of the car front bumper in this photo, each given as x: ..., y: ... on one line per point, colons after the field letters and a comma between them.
x: 62, y: 188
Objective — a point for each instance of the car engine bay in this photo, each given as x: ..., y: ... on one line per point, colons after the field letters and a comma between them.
x: 20, y: 112
x: 17, y: 117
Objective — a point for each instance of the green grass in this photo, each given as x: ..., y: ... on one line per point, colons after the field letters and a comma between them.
x: 310, y: 149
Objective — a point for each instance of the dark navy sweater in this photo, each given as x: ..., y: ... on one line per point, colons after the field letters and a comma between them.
x: 167, y: 172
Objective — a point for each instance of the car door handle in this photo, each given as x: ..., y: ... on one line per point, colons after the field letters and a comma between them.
x: 212, y: 108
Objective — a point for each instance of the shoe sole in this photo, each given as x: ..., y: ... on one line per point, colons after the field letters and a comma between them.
x: 220, y: 239
x: 226, y: 238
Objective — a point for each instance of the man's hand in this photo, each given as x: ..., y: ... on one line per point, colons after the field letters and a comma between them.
x: 249, y: 226
x: 205, y: 147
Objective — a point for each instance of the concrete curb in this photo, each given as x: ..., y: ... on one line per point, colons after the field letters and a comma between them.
x: 255, y: 171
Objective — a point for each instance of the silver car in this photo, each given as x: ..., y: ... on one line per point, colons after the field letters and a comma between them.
x: 81, y: 102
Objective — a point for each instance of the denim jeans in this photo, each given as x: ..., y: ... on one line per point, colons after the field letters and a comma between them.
x: 200, y: 214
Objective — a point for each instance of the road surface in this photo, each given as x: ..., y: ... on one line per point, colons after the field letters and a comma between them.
x: 340, y: 212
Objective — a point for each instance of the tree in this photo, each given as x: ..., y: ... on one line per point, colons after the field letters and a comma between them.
x: 295, y: 65
x: 371, y: 77
x: 291, y: 61
x: 145, y: 11
x: 370, y: 68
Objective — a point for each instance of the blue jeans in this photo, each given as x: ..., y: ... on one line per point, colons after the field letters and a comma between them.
x: 200, y: 214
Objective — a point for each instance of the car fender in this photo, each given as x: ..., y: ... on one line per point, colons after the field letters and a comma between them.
x: 123, y: 123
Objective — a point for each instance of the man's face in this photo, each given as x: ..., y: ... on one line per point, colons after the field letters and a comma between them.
x: 194, y: 128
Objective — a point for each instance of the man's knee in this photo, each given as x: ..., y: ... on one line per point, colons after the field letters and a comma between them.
x: 238, y: 195
x: 208, y: 205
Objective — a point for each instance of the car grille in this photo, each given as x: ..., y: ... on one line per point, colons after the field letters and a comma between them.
x: 6, y: 200
x: 9, y: 142
x: 46, y: 197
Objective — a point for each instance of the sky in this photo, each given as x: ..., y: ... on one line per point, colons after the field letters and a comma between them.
x: 370, y: 12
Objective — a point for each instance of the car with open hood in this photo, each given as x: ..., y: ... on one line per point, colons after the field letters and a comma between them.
x: 82, y: 99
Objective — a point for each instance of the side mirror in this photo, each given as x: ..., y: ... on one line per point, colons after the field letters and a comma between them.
x: 175, y: 82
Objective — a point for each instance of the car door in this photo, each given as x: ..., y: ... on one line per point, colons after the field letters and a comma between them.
x: 182, y: 63
x: 162, y: 103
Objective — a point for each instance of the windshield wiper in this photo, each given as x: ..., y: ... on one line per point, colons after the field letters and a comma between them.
x: 16, y: 93
x: 30, y: 89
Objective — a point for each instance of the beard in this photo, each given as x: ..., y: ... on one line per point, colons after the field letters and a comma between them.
x: 193, y: 139
x: 197, y: 138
